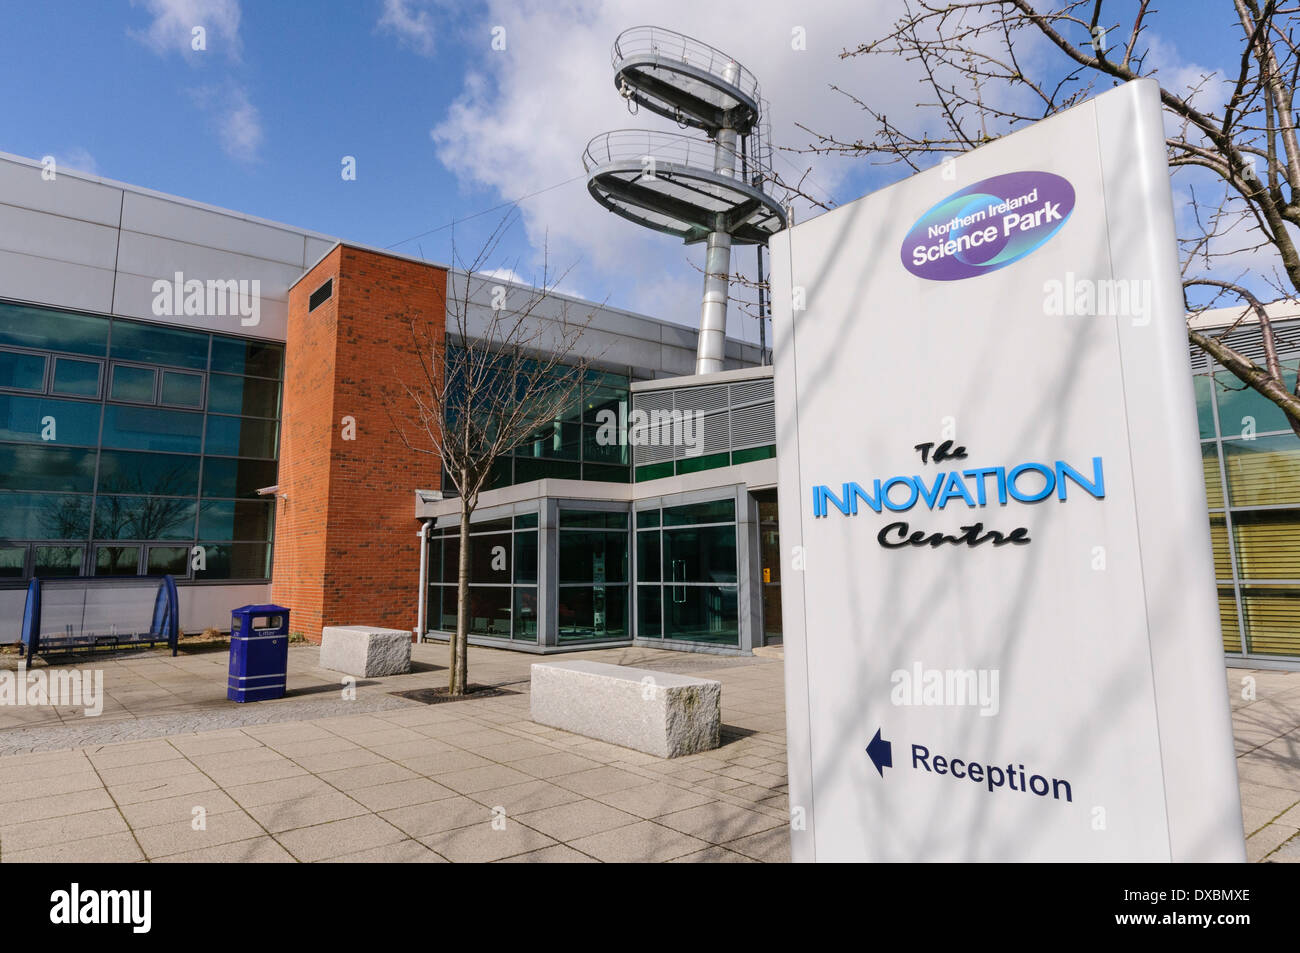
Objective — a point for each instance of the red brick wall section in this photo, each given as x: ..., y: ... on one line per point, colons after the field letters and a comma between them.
x: 347, y: 545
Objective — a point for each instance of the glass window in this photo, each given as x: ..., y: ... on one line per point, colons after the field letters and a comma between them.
x: 601, y: 402
x: 57, y: 560
x: 143, y: 517
x: 28, y: 467
x: 22, y: 371
x: 223, y: 476
x: 247, y: 396
x: 702, y: 614
x: 649, y: 612
x: 152, y: 474
x: 236, y: 519
x: 552, y: 439
x: 526, y: 557
x: 183, y: 390
x: 45, y: 516
x: 47, y: 329
x: 1204, y: 386
x: 714, y: 511
x: 44, y: 420
x: 593, y: 519
x: 76, y: 378
x: 527, y: 469
x: 158, y: 344
x: 1213, y: 481
x: 12, y: 561
x: 117, y: 560
x: 646, y: 518
x: 1243, y: 411
x: 1272, y: 615
x: 136, y: 384
x: 489, y: 611
x: 700, y: 554
x: 591, y: 612
x: 597, y: 448
x: 255, y: 358
x: 524, y: 621
x: 1264, y: 471
x: 241, y: 437
x: 525, y: 520
x: 1268, y: 544
x: 167, y: 560
x: 592, y: 557
x: 235, y: 561
x: 647, y: 556
x: 147, y: 428
x: 1228, y: 621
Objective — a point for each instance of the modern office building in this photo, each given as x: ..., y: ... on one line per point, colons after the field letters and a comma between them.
x: 190, y: 390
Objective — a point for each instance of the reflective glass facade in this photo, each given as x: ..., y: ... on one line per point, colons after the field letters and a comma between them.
x: 502, y: 575
x: 1252, y: 479
x: 124, y: 446
x: 687, y: 587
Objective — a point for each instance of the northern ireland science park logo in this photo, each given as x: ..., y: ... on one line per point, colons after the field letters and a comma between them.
x: 988, y: 225
x: 958, y: 486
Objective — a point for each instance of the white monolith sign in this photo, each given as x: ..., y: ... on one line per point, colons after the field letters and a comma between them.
x: 1001, y: 631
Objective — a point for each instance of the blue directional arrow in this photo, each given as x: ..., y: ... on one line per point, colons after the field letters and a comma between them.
x: 881, y: 753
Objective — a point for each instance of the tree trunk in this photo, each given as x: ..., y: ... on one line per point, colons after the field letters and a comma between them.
x: 459, y: 669
x: 1251, y: 375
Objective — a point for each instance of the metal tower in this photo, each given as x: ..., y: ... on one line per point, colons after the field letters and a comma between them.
x: 700, y: 188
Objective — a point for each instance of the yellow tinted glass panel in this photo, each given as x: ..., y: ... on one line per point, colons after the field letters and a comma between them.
x: 1228, y: 621
x: 1272, y: 617
x: 1263, y: 471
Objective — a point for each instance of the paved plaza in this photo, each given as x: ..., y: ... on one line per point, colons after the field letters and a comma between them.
x: 171, y: 771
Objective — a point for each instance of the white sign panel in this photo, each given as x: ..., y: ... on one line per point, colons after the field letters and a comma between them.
x: 1001, y: 633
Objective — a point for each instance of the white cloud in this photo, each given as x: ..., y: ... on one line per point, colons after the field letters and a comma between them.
x: 235, y: 119
x: 174, y: 21
x: 78, y: 159
x: 525, y: 115
x: 411, y: 23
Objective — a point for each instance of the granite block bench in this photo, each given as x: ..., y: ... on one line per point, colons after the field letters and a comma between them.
x: 659, y: 713
x: 365, y: 651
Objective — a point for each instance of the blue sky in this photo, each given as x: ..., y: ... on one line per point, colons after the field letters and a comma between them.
x: 442, y: 125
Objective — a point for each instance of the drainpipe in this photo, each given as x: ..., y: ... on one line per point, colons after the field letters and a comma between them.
x: 423, y: 599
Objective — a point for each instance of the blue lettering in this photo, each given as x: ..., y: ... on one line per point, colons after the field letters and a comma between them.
x: 933, y: 493
x: 1049, y: 478
x: 911, y: 500
x: 1097, y: 487
x: 953, y: 488
x: 859, y: 493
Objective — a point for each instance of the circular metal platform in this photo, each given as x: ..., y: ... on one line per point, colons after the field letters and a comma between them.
x: 685, y: 80
x: 666, y: 181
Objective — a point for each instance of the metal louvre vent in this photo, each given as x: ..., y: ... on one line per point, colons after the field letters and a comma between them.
x: 704, y: 399
x: 750, y: 392
x: 653, y: 400
x: 716, y: 433
x: 1248, y: 341
x: 753, y: 426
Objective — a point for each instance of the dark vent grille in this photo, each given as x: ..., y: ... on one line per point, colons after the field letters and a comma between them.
x: 1248, y: 340
x: 320, y: 295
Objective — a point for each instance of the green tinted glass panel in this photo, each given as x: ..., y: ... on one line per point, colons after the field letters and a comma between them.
x: 246, y: 357
x: 654, y: 471
x: 133, y: 383
x: 52, y: 561
x: 646, y: 518
x: 249, y: 396
x: 1204, y: 385
x: 117, y: 560
x: 753, y: 453
x: 601, y: 404
x: 223, y: 476
x: 241, y: 437
x: 236, y: 519
x: 153, y: 474
x: 22, y: 371
x: 588, y: 613
x: 45, y: 516
x: 235, y: 561
x: 649, y: 612
x: 606, y: 474
x: 12, y: 561
x: 710, y: 461
x: 183, y: 390
x: 553, y: 440
x: 1263, y: 471
x: 46, y: 468
x: 528, y: 469
x: 525, y: 520
x: 600, y: 446
x: 46, y: 329
x: 1242, y: 410
x: 156, y: 344
x: 76, y: 378
x: 143, y: 517
x: 64, y: 422
x: 147, y: 428
x: 714, y: 511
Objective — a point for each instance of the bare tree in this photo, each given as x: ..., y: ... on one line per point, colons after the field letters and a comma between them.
x: 1235, y: 133
x: 505, y: 370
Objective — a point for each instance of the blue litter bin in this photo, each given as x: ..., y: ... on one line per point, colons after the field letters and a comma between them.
x: 259, y: 653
